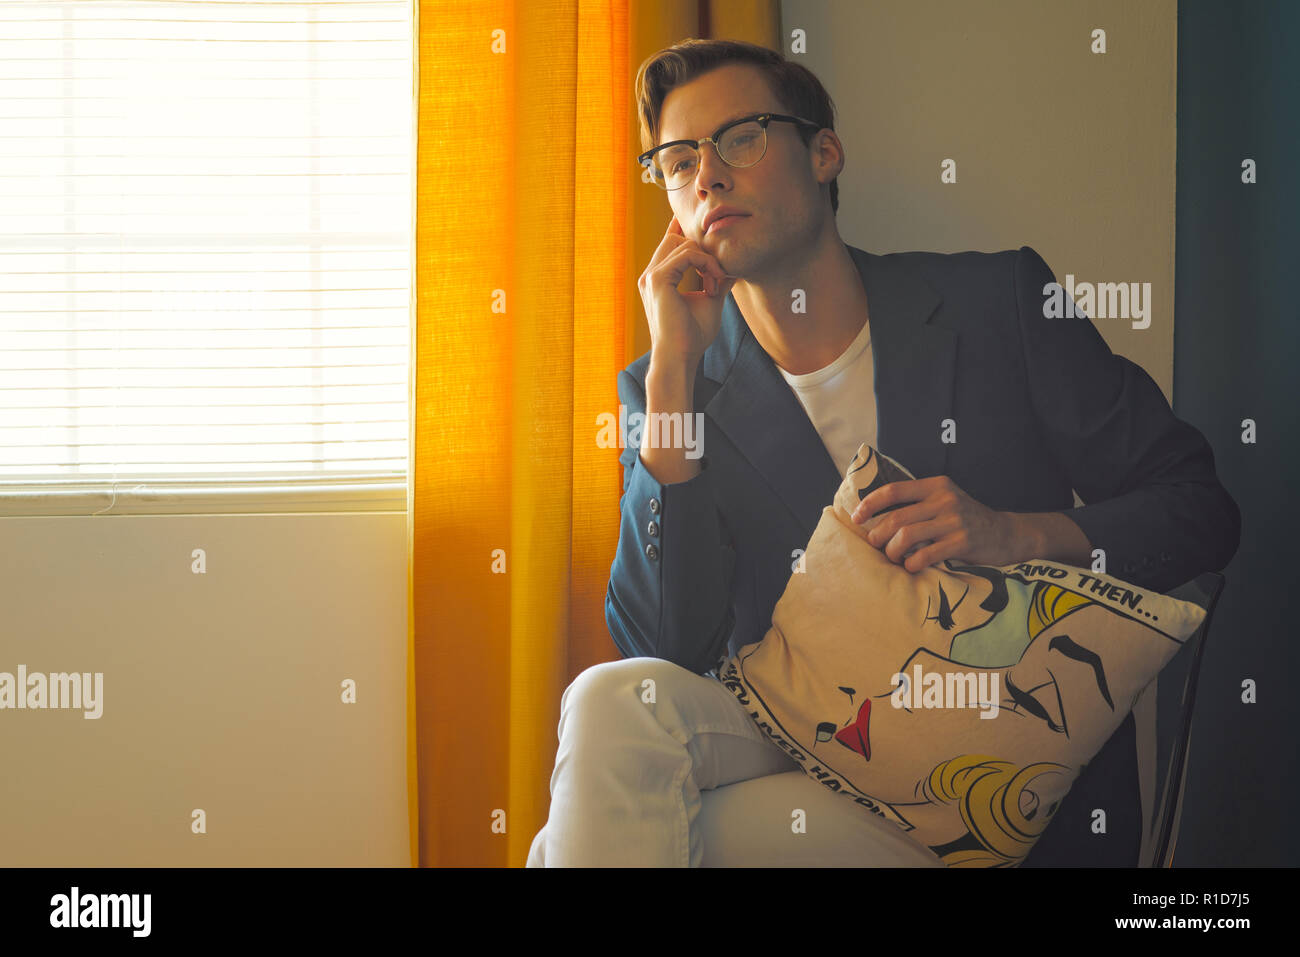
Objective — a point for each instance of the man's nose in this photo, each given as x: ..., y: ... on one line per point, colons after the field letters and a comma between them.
x: 712, y: 171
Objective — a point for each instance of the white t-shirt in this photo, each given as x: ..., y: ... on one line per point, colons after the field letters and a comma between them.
x: 841, y: 400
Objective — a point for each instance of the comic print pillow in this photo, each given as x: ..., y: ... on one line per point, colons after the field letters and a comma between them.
x: 960, y: 702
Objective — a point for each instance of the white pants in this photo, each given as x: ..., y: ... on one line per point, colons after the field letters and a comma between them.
x: 690, y: 780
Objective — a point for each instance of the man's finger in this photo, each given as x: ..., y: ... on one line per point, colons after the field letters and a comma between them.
x: 893, y: 493
x: 670, y: 241
x: 689, y: 255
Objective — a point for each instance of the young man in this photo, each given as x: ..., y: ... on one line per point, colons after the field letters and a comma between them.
x: 891, y: 350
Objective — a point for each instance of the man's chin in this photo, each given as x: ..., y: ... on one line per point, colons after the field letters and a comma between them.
x: 740, y: 260
x: 732, y: 263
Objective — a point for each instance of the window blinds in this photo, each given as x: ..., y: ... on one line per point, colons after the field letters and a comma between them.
x: 205, y: 250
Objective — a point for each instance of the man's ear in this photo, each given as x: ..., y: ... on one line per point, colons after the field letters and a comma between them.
x: 827, y: 154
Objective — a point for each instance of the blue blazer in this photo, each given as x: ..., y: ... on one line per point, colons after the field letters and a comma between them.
x: 1042, y: 409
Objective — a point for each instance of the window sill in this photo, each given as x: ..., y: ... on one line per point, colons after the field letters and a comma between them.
x: 204, y: 497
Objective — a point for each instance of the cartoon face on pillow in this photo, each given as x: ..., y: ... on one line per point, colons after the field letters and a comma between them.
x: 960, y: 702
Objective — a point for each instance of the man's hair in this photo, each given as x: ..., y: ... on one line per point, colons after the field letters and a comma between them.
x: 795, y: 87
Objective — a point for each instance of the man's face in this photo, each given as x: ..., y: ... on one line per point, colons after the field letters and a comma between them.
x: 780, y: 193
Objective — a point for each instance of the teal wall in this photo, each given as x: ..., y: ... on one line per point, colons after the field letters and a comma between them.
x: 1237, y: 356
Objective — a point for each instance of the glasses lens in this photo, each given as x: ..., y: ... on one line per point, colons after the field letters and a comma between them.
x: 676, y: 165
x: 743, y: 145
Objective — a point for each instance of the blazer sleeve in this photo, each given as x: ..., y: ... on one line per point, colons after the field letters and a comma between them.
x: 1152, y: 499
x: 670, y: 586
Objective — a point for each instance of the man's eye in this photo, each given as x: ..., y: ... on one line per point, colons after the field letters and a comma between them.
x: 681, y: 165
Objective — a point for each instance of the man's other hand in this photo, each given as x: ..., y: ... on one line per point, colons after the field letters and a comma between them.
x: 943, y: 522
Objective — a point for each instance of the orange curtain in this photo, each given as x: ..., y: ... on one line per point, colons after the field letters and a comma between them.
x: 519, y: 335
x: 527, y: 253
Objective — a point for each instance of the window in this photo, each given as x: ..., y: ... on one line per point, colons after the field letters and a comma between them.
x: 206, y: 222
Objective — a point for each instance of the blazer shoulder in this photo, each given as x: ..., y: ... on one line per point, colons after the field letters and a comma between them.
x: 974, y: 276
x: 960, y: 271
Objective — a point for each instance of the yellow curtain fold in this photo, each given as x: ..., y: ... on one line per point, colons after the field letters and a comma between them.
x: 519, y: 336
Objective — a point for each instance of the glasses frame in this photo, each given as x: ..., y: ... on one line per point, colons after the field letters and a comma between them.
x: 646, y: 159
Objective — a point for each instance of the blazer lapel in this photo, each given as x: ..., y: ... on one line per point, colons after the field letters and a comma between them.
x: 915, y: 362
x: 758, y: 411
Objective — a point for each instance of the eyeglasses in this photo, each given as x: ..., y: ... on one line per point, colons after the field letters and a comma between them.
x: 740, y: 143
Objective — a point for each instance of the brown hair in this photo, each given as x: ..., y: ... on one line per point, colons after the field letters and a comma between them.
x: 795, y: 87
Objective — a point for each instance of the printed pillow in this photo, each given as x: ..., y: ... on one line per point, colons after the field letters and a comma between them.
x: 960, y: 702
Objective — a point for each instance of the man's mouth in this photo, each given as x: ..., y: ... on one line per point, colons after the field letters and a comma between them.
x: 722, y: 222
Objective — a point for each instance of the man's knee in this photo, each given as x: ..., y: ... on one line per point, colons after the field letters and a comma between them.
x: 637, y: 678
x: 615, y: 684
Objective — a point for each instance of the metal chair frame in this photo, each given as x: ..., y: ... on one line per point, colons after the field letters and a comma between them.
x: 1168, y: 806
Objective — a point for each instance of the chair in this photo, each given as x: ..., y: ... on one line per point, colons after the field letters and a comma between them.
x: 1175, y: 704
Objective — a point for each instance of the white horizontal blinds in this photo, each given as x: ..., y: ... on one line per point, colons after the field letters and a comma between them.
x: 205, y: 239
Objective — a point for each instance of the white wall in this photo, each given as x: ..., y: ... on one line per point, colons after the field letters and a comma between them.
x: 221, y: 690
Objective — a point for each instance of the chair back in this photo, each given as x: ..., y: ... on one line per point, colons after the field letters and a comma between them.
x: 1175, y: 704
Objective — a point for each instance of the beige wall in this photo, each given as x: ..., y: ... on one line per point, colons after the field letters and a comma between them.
x: 1059, y: 148
x: 221, y: 690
